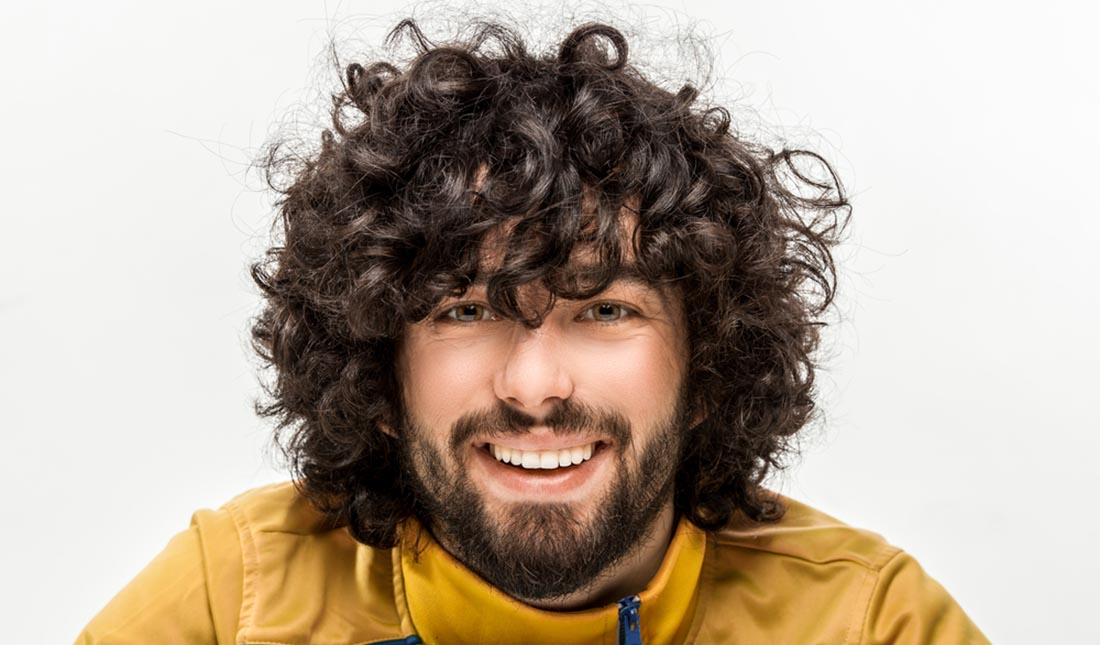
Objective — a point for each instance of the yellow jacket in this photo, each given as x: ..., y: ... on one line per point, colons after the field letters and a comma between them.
x: 265, y: 569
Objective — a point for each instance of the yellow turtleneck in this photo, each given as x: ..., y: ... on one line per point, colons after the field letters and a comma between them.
x: 268, y: 568
x: 447, y: 603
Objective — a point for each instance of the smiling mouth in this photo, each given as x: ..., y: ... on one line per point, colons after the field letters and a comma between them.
x: 544, y: 459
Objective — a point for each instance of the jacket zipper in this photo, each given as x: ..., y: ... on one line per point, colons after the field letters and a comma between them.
x: 630, y: 623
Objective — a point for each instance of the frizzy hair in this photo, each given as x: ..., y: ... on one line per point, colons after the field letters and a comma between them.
x: 423, y: 162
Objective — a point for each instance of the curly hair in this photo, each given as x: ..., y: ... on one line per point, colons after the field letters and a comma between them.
x: 422, y: 162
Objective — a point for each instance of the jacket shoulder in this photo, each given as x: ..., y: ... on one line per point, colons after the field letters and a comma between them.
x: 276, y: 508
x: 266, y: 567
x: 810, y: 578
x: 295, y: 562
x: 809, y: 535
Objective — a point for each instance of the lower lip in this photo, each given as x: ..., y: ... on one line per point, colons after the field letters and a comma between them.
x: 560, y: 483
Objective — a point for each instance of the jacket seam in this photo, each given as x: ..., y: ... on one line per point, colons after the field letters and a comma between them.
x: 411, y: 639
x: 706, y: 573
x: 206, y: 578
x: 870, y: 566
x: 870, y: 586
x: 249, y: 565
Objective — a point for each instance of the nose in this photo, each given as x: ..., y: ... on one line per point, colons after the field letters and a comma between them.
x: 535, y: 375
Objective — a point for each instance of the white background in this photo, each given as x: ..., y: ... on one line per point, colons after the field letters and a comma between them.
x: 960, y: 380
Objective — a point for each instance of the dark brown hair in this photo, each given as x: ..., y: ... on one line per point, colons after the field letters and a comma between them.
x: 422, y: 161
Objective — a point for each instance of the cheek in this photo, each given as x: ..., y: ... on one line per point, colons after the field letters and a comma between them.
x: 442, y: 380
x: 641, y: 377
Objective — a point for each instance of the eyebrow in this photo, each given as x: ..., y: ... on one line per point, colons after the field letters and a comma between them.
x: 628, y: 274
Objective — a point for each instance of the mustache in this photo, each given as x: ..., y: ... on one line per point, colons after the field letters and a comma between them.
x: 566, y: 418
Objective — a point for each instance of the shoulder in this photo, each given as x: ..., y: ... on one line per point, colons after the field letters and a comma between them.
x: 264, y: 567
x: 250, y: 539
x: 292, y: 557
x: 275, y: 508
x: 809, y: 577
x: 807, y: 535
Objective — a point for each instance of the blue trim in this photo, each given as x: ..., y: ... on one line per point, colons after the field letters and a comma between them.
x: 409, y: 640
x: 630, y: 623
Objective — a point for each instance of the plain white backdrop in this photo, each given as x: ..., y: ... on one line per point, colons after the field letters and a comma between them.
x: 960, y: 379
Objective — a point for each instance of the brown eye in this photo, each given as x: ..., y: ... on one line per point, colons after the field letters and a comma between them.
x: 606, y: 312
x: 468, y: 313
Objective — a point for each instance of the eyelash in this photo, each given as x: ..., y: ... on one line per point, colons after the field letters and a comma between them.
x: 449, y: 315
x: 625, y: 312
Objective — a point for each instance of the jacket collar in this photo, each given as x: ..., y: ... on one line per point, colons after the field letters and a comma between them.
x: 444, y: 602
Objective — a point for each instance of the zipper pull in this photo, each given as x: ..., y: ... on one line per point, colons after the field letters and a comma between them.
x: 630, y: 623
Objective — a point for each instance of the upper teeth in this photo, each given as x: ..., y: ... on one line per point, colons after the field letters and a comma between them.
x: 546, y: 459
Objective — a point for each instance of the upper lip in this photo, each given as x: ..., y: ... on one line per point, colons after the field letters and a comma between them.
x: 540, y: 441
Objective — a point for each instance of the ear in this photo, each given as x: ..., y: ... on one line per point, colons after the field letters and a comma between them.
x: 385, y: 423
x: 387, y: 429
x: 699, y: 413
x: 394, y: 403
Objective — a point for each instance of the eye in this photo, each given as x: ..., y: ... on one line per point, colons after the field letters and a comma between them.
x: 606, y: 312
x: 468, y: 313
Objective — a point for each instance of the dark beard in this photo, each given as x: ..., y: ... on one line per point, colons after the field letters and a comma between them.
x: 541, y: 551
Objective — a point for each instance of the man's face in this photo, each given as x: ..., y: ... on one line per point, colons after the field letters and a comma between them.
x: 544, y: 455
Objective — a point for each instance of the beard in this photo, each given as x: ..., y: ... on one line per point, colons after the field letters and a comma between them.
x: 542, y: 551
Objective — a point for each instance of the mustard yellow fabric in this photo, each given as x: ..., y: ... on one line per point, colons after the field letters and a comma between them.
x: 267, y: 569
x: 442, y: 595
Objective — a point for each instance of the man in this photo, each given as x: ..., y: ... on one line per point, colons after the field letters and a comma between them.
x: 539, y: 330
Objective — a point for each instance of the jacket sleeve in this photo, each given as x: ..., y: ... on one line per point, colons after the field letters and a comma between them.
x: 908, y: 607
x: 188, y: 595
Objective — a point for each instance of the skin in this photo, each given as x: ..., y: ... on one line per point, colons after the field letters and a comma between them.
x: 624, y: 350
